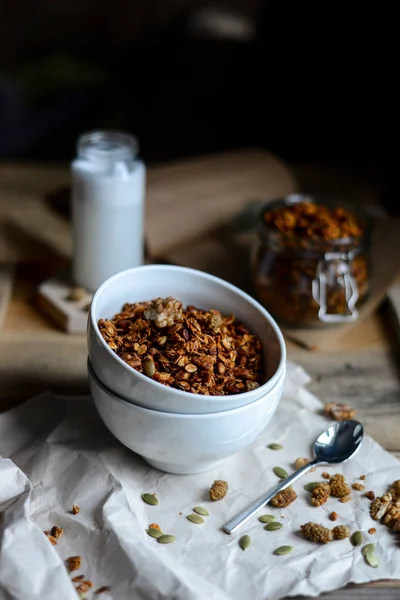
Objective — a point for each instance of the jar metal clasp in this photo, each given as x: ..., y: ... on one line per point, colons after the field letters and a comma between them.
x: 332, y: 271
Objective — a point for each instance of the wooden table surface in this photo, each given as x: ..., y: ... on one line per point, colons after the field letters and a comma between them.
x: 36, y: 356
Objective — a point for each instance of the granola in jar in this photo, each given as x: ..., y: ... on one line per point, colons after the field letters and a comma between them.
x: 311, y: 263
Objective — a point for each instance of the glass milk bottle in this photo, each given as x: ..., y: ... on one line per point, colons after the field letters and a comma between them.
x: 108, y: 187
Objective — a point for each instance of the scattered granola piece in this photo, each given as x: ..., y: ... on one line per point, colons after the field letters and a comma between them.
x: 370, y: 495
x: 339, y: 487
x: 339, y: 412
x: 325, y: 475
x: 372, y: 530
x: 75, y: 510
x: 394, y: 490
x: 284, y: 498
x: 51, y: 538
x: 345, y: 499
x: 320, y: 494
x: 340, y: 532
x: 333, y: 516
x: 301, y: 462
x: 73, y: 563
x: 358, y: 486
x: 218, y: 490
x: 84, y: 586
x: 392, y: 514
x: 379, y: 507
x: 78, y: 578
x: 57, y: 532
x: 316, y: 533
x: 102, y: 589
x: 362, y: 477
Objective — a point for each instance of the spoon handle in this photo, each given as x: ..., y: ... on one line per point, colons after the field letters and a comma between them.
x: 251, y: 510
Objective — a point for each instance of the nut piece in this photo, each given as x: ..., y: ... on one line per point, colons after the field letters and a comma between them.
x: 362, y: 477
x: 358, y: 486
x: 333, y: 516
x: 391, y: 515
x: 75, y: 510
x: 339, y: 412
x: 218, y: 490
x: 379, y: 507
x: 320, y: 494
x: 284, y: 498
x: 57, y: 532
x: 340, y: 532
x: 73, y: 563
x: 339, y: 487
x: 51, y: 538
x: 316, y: 533
x: 372, y: 530
x: 164, y: 312
x: 325, y: 475
x: 300, y: 462
x: 394, y: 490
x: 370, y: 495
x: 345, y: 499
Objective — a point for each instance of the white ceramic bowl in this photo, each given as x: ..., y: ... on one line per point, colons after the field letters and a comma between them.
x: 190, y: 287
x: 183, y: 443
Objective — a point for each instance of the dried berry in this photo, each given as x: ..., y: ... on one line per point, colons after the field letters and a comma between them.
x: 284, y: 498
x: 316, y: 533
x: 339, y: 487
x: 340, y: 532
x: 192, y: 350
x: 320, y: 494
x: 333, y: 516
x: 372, y: 530
x: 73, y: 563
x: 370, y: 495
x: 218, y: 490
x: 325, y: 475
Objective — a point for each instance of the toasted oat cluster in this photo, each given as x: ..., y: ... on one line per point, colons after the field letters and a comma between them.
x: 193, y: 350
x: 284, y: 498
x: 218, y: 490
x: 320, y: 494
x: 340, y: 532
x: 316, y: 533
x: 339, y: 487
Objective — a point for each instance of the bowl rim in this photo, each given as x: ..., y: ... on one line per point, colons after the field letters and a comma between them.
x: 213, y: 279
x: 169, y: 415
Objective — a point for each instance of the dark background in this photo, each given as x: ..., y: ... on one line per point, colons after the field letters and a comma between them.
x: 308, y: 81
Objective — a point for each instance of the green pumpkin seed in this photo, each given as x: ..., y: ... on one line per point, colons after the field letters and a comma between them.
x: 357, y: 538
x: 195, y: 519
x: 275, y: 447
x: 200, y: 510
x: 368, y: 549
x: 279, y: 472
x: 149, y: 367
x: 167, y: 538
x: 310, y: 486
x: 372, y: 560
x: 274, y: 526
x: 283, y: 550
x: 244, y: 542
x: 154, y: 533
x: 266, y: 518
x: 150, y: 499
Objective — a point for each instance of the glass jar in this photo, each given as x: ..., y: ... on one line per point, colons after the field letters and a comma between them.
x: 305, y: 272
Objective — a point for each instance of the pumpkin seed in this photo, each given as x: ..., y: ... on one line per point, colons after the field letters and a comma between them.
x: 283, y: 550
x: 357, y: 538
x: 154, y: 533
x: 368, y: 549
x: 372, y: 560
x: 200, y: 510
x: 279, y: 472
x: 150, y: 499
x: 149, y: 367
x: 244, y: 542
x: 275, y: 447
x: 167, y: 538
x: 274, y: 526
x: 195, y: 519
x: 266, y: 518
x: 310, y: 486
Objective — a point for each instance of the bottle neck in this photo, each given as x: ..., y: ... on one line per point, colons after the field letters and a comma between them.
x: 107, y: 147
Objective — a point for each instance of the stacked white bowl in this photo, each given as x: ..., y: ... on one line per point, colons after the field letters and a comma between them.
x: 176, y: 431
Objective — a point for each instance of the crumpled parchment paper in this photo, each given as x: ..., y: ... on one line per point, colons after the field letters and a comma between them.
x: 56, y: 453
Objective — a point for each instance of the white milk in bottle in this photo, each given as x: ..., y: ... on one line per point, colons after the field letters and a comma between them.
x: 108, y: 188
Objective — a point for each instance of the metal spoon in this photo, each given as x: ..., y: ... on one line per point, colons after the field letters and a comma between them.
x: 336, y: 445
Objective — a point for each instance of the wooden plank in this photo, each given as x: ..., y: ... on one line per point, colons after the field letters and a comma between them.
x: 6, y: 281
